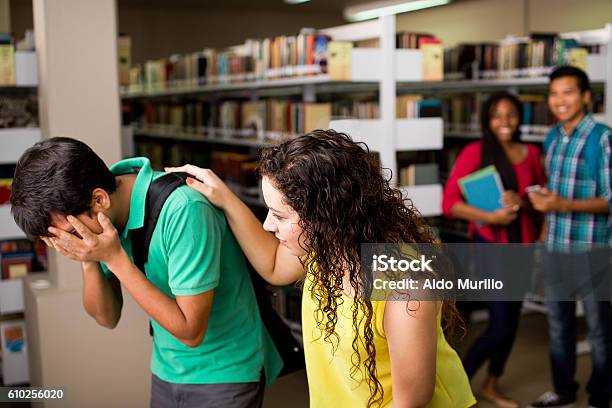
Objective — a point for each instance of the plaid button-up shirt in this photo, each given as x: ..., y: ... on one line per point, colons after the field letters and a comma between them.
x: 571, y: 177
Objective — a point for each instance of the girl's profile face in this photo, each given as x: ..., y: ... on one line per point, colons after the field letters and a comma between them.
x: 282, y: 220
x: 504, y: 120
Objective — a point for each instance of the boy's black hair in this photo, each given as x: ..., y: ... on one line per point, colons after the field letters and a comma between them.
x: 568, y: 71
x: 57, y: 175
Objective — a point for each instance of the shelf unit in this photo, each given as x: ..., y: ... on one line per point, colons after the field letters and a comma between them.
x: 388, y: 71
x: 389, y: 135
x: 372, y: 70
x: 13, y: 142
x: 599, y: 69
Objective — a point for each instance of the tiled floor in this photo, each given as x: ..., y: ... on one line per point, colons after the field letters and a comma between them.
x: 527, y: 372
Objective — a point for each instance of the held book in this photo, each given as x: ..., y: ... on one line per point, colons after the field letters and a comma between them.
x: 483, y: 189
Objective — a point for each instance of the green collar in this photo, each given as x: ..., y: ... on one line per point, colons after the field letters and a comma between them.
x: 142, y: 166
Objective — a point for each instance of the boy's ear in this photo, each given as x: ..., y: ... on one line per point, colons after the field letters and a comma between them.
x: 586, y: 98
x: 100, y: 200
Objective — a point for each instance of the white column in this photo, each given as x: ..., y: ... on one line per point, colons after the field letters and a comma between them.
x: 78, y: 92
x: 76, y: 43
x: 388, y: 155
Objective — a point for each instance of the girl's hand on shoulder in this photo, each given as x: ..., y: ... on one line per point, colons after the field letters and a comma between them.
x: 206, y: 182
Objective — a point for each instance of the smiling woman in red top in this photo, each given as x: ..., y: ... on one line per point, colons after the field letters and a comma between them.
x: 519, y: 166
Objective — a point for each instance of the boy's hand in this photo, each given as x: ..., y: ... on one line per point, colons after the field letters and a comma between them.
x: 92, y: 247
x: 546, y: 201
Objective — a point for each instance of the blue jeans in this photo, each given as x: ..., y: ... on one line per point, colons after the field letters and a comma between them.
x: 562, y: 330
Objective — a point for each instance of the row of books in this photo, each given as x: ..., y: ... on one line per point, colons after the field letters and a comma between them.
x: 415, y: 106
x: 356, y: 109
x: 306, y: 54
x: 20, y: 257
x: 236, y: 168
x: 403, y: 40
x: 17, y: 61
x: 255, y: 118
x: 537, y: 118
x: 271, y: 58
x: 462, y: 112
x: 419, y: 174
x: 534, y: 56
x: 167, y: 153
x: 281, y: 116
x: 268, y: 117
x: 7, y: 60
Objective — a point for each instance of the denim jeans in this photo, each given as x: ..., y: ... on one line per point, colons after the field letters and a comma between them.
x: 562, y: 333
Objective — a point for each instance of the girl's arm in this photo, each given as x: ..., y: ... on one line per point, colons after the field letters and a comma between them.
x: 453, y: 204
x: 411, y: 329
x: 271, y: 260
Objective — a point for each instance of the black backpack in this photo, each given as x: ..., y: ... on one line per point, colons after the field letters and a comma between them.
x: 159, y: 190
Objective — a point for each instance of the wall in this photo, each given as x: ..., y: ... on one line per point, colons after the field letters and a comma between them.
x: 487, y: 20
x: 568, y: 15
x: 159, y: 32
x: 5, y: 14
x: 467, y: 20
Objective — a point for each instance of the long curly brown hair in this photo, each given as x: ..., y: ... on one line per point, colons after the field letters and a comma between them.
x: 338, y: 189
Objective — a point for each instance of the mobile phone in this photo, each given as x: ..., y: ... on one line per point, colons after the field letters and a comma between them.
x: 536, y: 188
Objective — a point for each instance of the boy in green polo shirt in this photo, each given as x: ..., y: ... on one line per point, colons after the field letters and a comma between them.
x: 210, y: 347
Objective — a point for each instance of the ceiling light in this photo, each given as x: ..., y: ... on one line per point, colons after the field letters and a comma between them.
x: 383, y: 8
x: 295, y: 1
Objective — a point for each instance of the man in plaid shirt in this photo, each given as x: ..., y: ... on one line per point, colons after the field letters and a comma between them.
x: 577, y: 233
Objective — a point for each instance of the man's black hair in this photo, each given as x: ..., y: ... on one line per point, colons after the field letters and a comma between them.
x: 57, y: 175
x: 568, y: 71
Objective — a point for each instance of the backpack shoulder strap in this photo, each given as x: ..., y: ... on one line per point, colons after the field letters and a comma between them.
x: 593, y: 151
x: 159, y: 190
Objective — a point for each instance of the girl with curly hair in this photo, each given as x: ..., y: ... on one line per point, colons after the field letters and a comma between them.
x: 326, y: 196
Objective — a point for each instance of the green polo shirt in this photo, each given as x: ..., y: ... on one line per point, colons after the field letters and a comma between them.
x: 193, y: 251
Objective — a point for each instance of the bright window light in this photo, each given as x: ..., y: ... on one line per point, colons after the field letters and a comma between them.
x: 383, y: 8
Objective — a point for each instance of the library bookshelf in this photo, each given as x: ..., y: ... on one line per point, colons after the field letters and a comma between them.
x: 14, y: 354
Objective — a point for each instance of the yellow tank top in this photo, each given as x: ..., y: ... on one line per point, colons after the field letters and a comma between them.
x: 329, y: 380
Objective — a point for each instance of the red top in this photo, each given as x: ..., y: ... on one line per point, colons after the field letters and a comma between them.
x: 528, y: 172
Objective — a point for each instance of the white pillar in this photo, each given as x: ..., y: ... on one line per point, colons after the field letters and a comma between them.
x: 76, y: 42
x: 388, y: 154
x: 78, y: 92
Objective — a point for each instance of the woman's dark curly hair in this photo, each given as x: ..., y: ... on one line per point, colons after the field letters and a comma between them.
x: 343, y: 200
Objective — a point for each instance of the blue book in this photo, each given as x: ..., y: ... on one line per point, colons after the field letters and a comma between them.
x: 483, y: 189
